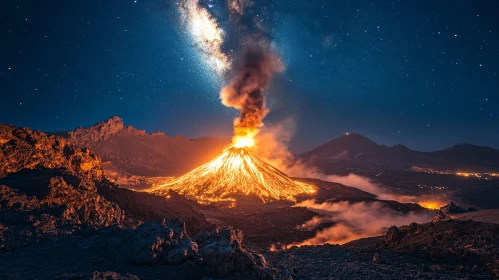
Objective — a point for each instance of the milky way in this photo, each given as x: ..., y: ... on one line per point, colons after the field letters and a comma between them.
x: 206, y: 34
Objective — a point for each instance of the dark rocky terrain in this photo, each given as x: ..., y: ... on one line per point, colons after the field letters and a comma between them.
x: 61, y: 218
x: 441, y: 250
x: 58, y: 211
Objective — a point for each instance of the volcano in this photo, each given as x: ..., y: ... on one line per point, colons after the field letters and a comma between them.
x: 232, y: 173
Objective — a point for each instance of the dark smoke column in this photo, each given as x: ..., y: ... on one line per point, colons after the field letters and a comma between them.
x: 245, y: 93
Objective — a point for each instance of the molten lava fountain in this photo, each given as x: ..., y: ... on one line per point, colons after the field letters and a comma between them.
x: 235, y: 172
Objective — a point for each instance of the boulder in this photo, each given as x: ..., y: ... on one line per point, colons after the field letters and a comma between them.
x: 223, y: 254
x: 153, y: 243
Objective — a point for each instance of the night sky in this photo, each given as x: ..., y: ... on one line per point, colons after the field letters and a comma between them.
x: 419, y: 73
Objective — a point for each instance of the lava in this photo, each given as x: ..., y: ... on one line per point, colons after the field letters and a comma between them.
x: 235, y: 172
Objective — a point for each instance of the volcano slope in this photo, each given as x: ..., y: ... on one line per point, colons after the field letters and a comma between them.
x: 61, y: 219
x: 235, y: 172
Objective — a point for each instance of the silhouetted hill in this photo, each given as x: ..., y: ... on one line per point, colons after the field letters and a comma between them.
x: 469, y: 157
x: 354, y: 152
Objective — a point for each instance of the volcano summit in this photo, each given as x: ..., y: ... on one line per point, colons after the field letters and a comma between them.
x: 235, y: 172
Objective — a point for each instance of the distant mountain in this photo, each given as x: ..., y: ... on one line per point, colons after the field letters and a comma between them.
x: 126, y: 150
x: 356, y: 153
x: 471, y: 157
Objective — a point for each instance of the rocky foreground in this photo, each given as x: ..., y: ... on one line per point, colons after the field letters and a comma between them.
x: 444, y: 250
x: 60, y: 218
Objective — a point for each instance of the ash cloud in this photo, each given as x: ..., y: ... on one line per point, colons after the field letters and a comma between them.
x: 246, y: 91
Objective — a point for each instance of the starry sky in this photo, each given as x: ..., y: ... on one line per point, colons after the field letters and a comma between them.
x: 420, y: 73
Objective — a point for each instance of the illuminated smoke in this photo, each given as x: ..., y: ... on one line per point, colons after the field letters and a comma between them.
x: 206, y: 34
x: 354, y: 221
x: 245, y: 93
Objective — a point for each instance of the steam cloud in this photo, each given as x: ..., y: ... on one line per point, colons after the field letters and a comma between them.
x: 353, y: 221
x: 272, y: 147
x: 245, y: 93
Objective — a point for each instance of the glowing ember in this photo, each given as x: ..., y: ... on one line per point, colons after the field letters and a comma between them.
x: 235, y: 172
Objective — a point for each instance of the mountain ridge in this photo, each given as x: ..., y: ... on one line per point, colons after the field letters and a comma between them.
x: 127, y: 151
x: 359, y: 152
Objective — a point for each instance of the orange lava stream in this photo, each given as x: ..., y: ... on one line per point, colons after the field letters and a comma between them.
x: 235, y: 172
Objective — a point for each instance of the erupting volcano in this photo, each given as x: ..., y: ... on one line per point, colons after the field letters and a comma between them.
x: 235, y: 172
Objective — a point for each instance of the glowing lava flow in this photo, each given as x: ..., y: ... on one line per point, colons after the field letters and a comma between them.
x: 232, y: 173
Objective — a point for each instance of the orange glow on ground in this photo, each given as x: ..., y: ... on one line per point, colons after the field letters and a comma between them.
x: 433, y: 205
x: 235, y: 172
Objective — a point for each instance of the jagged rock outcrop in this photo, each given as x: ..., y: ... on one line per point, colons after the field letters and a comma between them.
x: 219, y: 253
x: 37, y: 205
x: 223, y: 253
x: 394, y: 235
x: 23, y: 148
x: 152, y: 243
x: 128, y: 151
x: 102, y: 130
x: 445, y: 212
x: 48, y: 187
x: 452, y: 208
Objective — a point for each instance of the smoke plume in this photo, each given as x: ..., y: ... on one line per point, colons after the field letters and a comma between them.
x: 246, y: 91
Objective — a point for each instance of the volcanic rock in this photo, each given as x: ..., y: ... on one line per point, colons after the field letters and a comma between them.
x: 150, y: 243
x: 59, y: 205
x: 394, y: 235
x: 452, y: 208
x: 468, y: 242
x: 49, y: 187
x: 23, y: 148
x: 446, y: 212
x: 102, y: 130
x: 223, y: 253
